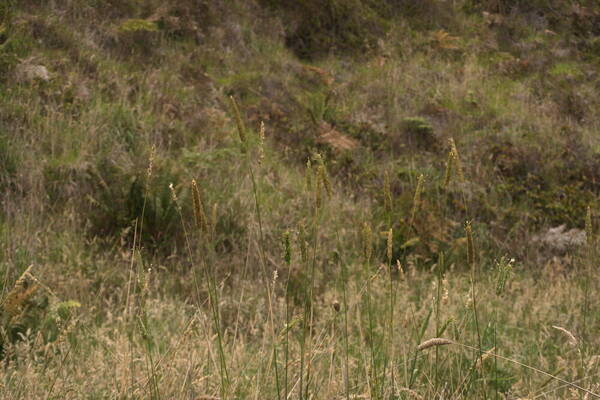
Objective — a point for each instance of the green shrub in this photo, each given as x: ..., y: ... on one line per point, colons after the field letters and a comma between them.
x: 15, y: 44
x: 321, y: 27
x: 419, y: 132
x: 138, y: 25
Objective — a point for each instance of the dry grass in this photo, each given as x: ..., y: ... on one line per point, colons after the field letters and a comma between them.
x: 264, y: 278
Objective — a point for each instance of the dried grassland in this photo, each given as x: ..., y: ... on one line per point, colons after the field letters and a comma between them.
x: 318, y: 200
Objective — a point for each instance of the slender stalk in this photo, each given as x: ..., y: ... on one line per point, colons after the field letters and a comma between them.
x: 346, y: 345
x: 243, y: 136
x: 310, y: 297
x: 371, y: 329
x: 265, y: 277
x: 440, y: 274
x: 213, y: 293
x: 391, y: 295
x: 288, y: 262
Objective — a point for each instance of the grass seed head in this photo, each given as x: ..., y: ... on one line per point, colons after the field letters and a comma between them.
x: 486, y: 355
x: 433, y: 343
x: 399, y: 267
x: 589, y: 231
x: 445, y: 292
x: 308, y: 176
x: 457, y: 163
x: 322, y: 174
x: 325, y: 179
x: 174, y: 196
x: 571, y: 338
x: 449, y: 168
x: 150, y: 165
x: 239, y: 123
x: 503, y: 273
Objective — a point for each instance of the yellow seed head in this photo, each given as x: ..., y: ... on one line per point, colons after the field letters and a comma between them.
x: 308, y: 176
x: 487, y: 354
x: 174, y: 196
x: 572, y: 339
x: 589, y: 230
x: 459, y: 169
x: 150, y: 164
x: 239, y: 123
x: 445, y: 293
x: 322, y: 174
x: 400, y: 269
x: 433, y: 343
x: 449, y: 166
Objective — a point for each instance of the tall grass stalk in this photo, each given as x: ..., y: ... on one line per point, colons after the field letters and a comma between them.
x: 588, y: 265
x: 471, y: 262
x: 504, y: 271
x: 438, y: 301
x: 343, y: 279
x: 346, y: 341
x: 322, y: 187
x: 135, y: 248
x: 392, y: 304
x: 207, y: 249
x: 286, y: 345
x: 417, y: 199
x: 243, y: 136
x: 368, y: 253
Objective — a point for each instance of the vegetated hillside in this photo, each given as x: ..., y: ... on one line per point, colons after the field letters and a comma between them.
x: 410, y: 116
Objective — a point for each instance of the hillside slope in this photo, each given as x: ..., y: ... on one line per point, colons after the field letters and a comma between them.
x: 389, y: 126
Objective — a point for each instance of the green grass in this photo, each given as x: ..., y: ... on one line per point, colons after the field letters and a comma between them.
x: 317, y: 271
